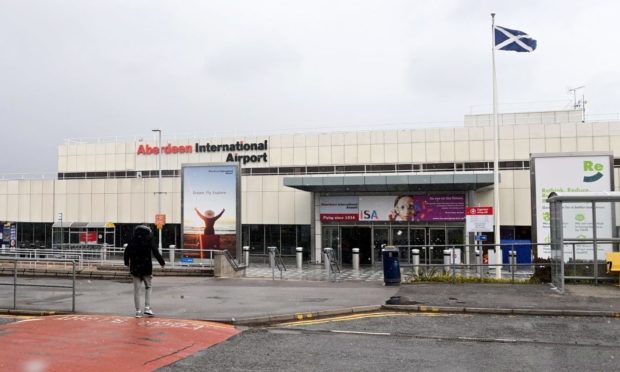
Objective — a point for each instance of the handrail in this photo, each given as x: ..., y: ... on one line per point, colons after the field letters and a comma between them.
x: 232, y: 261
x: 279, y: 260
x: 333, y: 262
x: 15, y: 283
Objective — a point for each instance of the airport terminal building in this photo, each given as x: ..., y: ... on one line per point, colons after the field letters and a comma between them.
x: 311, y: 190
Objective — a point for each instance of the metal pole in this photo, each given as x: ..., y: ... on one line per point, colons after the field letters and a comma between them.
x: 498, y: 248
x: 159, y: 185
x: 453, y: 255
x: 513, y: 261
x: 15, y: 284
x: 574, y: 262
x: 73, y: 294
x: 594, y: 243
x: 61, y: 230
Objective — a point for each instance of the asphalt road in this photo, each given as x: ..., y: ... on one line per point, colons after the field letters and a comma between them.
x: 406, y: 342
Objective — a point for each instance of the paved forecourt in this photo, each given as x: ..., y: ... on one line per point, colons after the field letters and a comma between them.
x: 94, y: 342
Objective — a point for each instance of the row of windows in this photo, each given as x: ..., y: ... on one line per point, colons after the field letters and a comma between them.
x: 119, y: 174
x: 325, y: 169
x: 257, y: 237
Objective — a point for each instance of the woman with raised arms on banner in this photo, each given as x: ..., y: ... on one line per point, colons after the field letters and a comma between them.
x: 209, y: 219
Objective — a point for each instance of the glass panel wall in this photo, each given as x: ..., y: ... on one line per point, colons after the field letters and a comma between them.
x: 285, y: 237
x: 257, y: 239
x: 288, y: 239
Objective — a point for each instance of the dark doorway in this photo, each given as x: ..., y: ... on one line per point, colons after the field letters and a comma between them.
x: 356, y: 237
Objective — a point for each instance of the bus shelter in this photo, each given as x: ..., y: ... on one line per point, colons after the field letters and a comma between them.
x: 68, y: 235
x: 583, y: 228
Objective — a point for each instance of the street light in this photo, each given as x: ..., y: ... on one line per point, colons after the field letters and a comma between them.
x: 61, y: 237
x: 159, y: 184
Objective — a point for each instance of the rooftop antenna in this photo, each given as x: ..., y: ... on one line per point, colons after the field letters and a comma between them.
x: 581, y: 104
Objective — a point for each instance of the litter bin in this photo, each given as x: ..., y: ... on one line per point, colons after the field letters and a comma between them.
x: 391, y: 265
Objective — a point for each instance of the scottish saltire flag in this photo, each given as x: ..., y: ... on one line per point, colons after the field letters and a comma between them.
x: 518, y: 41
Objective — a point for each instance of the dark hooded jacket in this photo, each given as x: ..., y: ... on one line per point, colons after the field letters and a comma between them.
x: 138, y: 252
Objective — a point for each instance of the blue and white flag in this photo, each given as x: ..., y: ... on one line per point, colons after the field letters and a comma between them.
x: 518, y: 41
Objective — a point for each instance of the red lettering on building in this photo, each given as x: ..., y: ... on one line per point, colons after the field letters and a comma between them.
x: 168, y: 149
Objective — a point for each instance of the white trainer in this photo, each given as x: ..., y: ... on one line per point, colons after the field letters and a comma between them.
x: 148, y: 312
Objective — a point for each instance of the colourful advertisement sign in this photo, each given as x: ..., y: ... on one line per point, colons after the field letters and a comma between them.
x: 421, y: 208
x: 210, y: 209
x: 8, y: 234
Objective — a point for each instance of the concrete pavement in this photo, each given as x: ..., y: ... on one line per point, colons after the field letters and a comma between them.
x: 253, y: 301
x: 578, y: 300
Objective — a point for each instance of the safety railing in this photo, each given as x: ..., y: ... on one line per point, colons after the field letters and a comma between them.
x: 331, y: 262
x: 18, y: 263
x: 235, y: 265
x: 110, y: 256
x: 480, y: 261
x: 38, y: 256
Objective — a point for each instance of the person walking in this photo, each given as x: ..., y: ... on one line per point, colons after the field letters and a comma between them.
x: 137, y: 256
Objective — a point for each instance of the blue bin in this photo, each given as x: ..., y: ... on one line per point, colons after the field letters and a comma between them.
x: 391, y: 266
x: 523, y: 248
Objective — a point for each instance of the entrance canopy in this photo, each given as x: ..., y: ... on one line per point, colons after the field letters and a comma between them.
x: 441, y: 181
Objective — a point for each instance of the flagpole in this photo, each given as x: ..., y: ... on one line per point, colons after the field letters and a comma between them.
x: 498, y: 248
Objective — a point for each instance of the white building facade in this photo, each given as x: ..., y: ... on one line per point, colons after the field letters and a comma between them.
x: 285, y: 176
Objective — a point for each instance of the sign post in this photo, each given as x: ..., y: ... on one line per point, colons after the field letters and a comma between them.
x: 160, y: 221
x: 477, y: 220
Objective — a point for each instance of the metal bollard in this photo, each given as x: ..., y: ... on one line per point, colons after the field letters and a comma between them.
x: 246, y: 255
x: 513, y: 260
x: 171, y: 249
x: 272, y: 261
x: 299, y: 252
x: 429, y: 255
x: 272, y: 256
x: 415, y: 260
x: 446, y: 260
x: 326, y: 254
x: 356, y: 259
x: 491, y: 264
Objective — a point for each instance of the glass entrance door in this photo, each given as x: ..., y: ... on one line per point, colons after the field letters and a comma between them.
x: 417, y: 239
x: 436, y: 245
x: 331, y: 239
x: 400, y: 239
x: 380, y: 237
x: 355, y: 237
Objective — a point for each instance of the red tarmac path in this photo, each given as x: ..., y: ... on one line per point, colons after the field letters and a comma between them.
x: 103, y: 343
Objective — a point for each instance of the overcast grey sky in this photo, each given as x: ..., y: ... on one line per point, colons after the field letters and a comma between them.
x: 80, y: 69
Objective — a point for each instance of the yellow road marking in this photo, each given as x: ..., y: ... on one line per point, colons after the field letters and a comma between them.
x: 345, y: 318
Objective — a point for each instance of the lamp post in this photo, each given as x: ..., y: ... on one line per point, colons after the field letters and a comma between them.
x: 61, y: 230
x: 159, y: 184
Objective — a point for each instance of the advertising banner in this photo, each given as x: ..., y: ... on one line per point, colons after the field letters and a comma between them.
x: 421, y: 208
x: 572, y: 173
x: 9, y: 235
x: 210, y: 209
x: 339, y: 208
